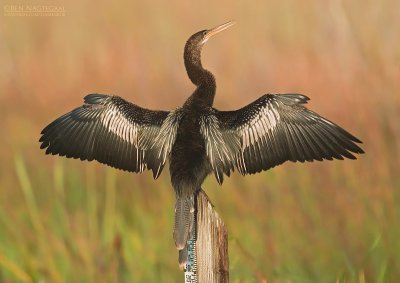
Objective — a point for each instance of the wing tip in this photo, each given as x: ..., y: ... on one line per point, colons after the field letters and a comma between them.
x: 292, y: 98
x: 157, y: 171
x: 95, y: 98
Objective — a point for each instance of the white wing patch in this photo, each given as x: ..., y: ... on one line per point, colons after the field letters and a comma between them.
x: 259, y: 126
x: 114, y: 121
x: 257, y: 132
x: 160, y: 147
x: 167, y: 135
x: 220, y: 150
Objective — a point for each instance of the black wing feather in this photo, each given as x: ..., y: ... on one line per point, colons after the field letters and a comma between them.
x: 110, y: 130
x: 278, y: 128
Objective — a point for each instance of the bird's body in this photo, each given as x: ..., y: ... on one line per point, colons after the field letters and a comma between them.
x: 188, y: 168
x: 197, y: 138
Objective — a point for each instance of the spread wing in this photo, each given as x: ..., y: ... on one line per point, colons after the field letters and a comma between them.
x: 274, y: 129
x: 114, y: 132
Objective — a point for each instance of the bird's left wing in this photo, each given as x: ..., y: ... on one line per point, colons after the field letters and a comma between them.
x: 271, y: 130
x: 114, y: 132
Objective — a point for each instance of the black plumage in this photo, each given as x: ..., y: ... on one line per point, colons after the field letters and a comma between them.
x: 197, y: 138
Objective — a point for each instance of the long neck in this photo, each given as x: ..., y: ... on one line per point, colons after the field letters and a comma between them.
x: 202, y: 78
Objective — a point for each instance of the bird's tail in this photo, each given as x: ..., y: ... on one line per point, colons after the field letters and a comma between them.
x: 183, y: 226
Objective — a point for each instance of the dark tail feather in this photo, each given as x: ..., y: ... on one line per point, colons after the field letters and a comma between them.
x: 184, y: 219
x: 183, y: 258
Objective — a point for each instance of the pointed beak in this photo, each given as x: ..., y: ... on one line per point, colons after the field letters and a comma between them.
x: 218, y: 29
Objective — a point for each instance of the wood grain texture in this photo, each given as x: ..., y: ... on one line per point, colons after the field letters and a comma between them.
x: 212, y: 243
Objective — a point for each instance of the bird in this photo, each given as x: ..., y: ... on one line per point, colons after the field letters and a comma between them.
x: 197, y: 139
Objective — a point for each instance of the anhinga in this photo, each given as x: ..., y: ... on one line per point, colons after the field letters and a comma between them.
x: 197, y: 138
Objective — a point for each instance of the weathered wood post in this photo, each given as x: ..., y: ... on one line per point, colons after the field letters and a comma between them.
x: 208, y: 249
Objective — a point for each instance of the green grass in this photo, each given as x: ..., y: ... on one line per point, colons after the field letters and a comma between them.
x: 101, y: 225
x: 70, y: 221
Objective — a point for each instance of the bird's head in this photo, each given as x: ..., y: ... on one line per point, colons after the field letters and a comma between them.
x: 200, y: 38
x: 192, y: 54
x: 207, y: 34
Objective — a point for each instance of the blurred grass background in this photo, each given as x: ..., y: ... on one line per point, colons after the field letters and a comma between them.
x: 70, y: 221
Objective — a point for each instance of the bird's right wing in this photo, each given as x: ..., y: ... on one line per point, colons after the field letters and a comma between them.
x: 271, y: 130
x: 114, y: 132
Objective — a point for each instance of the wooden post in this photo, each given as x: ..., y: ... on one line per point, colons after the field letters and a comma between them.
x: 208, y: 250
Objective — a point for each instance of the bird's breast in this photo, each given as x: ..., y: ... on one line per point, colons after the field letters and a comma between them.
x: 188, y: 160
